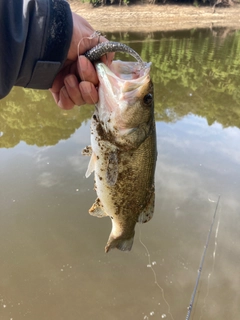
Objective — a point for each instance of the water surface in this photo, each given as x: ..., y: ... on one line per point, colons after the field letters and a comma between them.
x: 53, y: 264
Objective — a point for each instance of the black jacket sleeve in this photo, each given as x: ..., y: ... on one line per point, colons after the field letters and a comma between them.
x: 35, y: 36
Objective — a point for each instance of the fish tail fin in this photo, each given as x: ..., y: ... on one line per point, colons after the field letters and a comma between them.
x: 119, y: 243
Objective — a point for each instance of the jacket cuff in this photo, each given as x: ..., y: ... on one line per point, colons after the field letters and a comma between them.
x: 44, y: 74
x: 56, y: 43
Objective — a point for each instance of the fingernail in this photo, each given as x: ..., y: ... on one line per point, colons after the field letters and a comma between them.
x: 64, y: 92
x: 70, y: 81
x: 60, y: 104
x: 86, y: 88
x: 83, y: 63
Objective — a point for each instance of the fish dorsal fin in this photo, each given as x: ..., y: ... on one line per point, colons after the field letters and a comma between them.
x: 91, y: 165
x: 96, y: 209
x: 112, y: 168
x: 147, y: 212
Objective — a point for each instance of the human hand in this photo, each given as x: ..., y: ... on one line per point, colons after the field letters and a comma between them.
x: 76, y: 82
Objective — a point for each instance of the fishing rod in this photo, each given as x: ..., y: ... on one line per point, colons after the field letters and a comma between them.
x: 201, y: 263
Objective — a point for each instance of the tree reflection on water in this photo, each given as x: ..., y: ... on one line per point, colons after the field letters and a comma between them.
x: 194, y: 72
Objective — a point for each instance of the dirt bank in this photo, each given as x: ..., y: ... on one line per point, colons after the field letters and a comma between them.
x: 157, y: 17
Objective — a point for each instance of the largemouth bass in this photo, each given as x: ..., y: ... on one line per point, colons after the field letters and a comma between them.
x: 123, y: 149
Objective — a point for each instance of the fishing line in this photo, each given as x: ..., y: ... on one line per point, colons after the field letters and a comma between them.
x: 149, y: 265
x: 213, y: 266
x: 95, y: 34
x: 190, y: 307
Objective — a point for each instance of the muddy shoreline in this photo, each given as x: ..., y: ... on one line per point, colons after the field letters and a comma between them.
x: 147, y: 18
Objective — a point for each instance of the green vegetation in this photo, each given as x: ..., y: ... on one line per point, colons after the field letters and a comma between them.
x: 194, y: 72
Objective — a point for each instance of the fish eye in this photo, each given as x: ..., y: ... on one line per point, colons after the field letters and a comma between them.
x: 148, y: 98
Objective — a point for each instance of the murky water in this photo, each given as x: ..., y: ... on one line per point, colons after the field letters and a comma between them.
x: 53, y: 264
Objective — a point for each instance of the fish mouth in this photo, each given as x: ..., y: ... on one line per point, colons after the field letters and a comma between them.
x: 120, y: 87
x: 122, y: 76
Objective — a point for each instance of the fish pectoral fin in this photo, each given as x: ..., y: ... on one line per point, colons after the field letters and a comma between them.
x: 147, y: 212
x: 91, y: 165
x: 96, y: 209
x: 87, y: 151
x: 112, y: 168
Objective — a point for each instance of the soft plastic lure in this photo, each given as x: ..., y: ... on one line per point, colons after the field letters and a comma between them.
x: 101, y: 49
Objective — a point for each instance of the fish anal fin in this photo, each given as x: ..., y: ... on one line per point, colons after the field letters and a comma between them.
x: 148, y: 211
x: 112, y: 168
x: 96, y: 209
x: 87, y: 151
x: 91, y: 165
